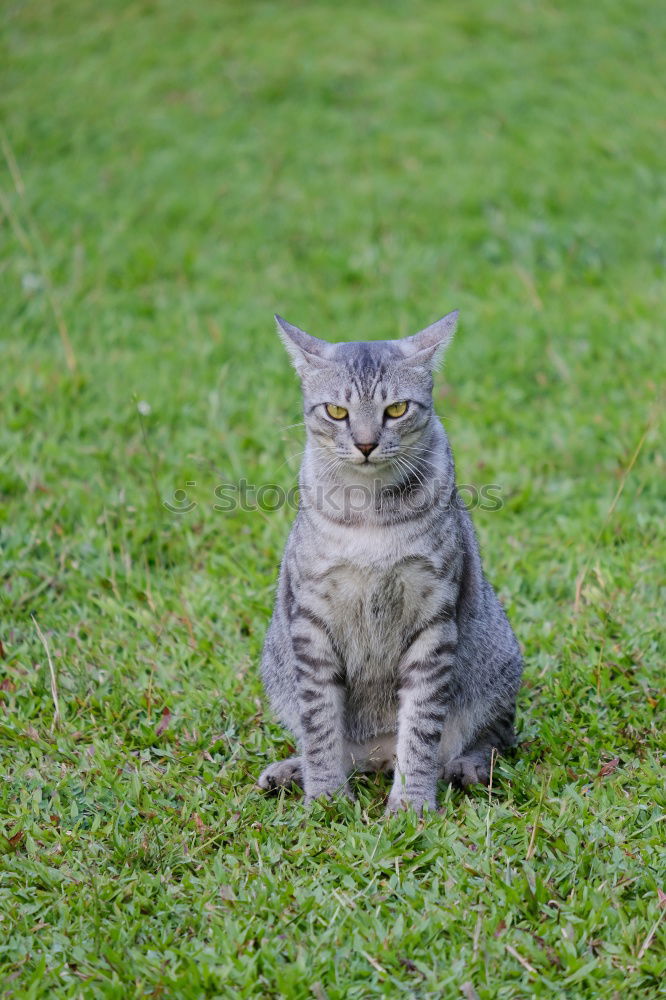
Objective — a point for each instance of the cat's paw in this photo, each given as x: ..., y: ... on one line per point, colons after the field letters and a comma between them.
x: 464, y: 771
x: 334, y: 788
x: 281, y: 774
x: 402, y: 798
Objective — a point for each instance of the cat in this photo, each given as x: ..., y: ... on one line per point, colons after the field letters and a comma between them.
x: 388, y: 648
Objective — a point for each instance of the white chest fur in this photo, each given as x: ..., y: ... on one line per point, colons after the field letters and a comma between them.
x: 372, y: 611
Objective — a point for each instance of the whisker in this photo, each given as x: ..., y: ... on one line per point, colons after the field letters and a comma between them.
x: 403, y: 467
x: 289, y: 458
x: 419, y: 457
x: 333, y: 464
x: 299, y: 454
x: 301, y: 423
x: 413, y: 470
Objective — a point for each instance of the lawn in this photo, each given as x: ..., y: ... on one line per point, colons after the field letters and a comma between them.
x: 171, y: 175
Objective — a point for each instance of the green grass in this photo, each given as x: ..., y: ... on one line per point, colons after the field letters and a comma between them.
x: 186, y: 170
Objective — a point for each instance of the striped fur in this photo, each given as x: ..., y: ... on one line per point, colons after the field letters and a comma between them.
x: 388, y: 648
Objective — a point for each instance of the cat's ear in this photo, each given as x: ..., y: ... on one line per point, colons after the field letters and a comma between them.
x: 427, y: 347
x: 304, y: 350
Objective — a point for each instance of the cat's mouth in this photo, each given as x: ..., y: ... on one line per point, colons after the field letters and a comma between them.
x: 367, y: 462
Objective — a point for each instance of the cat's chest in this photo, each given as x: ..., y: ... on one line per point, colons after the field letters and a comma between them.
x: 372, y: 611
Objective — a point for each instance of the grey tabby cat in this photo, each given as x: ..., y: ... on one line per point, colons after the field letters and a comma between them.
x: 388, y: 649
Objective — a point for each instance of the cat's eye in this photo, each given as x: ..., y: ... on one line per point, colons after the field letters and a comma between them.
x: 396, y: 409
x: 337, y: 412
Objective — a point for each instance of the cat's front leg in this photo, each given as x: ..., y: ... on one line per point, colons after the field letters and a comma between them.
x: 425, y: 689
x: 321, y: 695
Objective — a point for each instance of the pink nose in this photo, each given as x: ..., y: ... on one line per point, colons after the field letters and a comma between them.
x: 367, y: 448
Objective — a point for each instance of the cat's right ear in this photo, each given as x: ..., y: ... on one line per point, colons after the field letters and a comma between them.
x: 305, y: 351
x: 427, y: 347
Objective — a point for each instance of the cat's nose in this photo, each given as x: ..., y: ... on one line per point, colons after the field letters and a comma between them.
x: 367, y: 448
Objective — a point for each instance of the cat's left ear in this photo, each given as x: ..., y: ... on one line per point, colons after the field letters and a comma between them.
x: 304, y: 350
x: 427, y: 347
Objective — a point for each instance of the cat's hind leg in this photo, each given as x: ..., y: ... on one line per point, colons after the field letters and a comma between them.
x: 473, y: 764
x: 282, y: 774
x: 470, y: 768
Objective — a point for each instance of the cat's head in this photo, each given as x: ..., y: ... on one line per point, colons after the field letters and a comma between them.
x: 368, y: 404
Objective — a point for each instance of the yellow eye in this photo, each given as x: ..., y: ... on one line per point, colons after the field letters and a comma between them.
x: 337, y: 412
x: 396, y: 409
